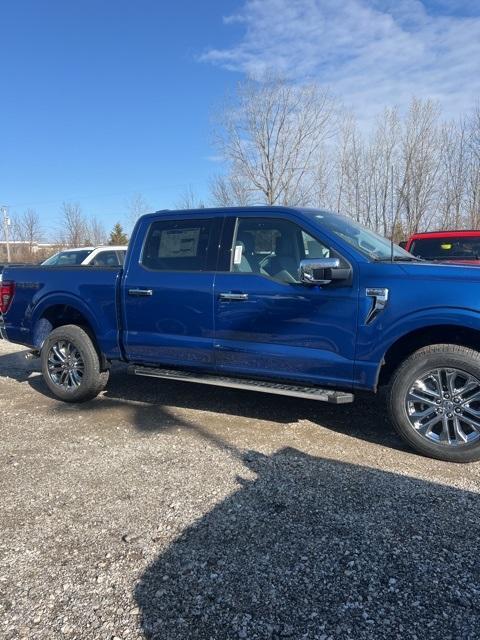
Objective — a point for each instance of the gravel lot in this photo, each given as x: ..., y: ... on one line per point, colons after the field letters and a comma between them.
x: 175, y: 511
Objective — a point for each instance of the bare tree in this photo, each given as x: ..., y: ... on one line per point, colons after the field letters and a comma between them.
x: 474, y: 138
x: 74, y: 230
x: 453, y: 176
x: 341, y: 159
x: 419, y: 165
x: 383, y: 158
x: 137, y: 206
x: 472, y: 220
x: 189, y: 200
x: 363, y: 171
x: 351, y: 166
x: 271, y: 136
x: 96, y: 232
x: 229, y: 191
x: 28, y: 229
x: 473, y: 171
x: 323, y: 195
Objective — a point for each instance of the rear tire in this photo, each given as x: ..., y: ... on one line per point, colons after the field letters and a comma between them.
x: 434, y: 402
x: 71, y: 365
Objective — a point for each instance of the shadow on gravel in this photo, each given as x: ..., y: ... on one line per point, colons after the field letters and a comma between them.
x: 319, y: 549
x: 14, y: 365
x: 312, y: 548
x: 365, y: 419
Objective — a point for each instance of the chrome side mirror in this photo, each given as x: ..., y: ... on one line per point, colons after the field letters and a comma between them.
x: 320, y: 270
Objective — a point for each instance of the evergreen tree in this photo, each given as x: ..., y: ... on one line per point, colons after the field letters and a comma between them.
x: 118, y: 236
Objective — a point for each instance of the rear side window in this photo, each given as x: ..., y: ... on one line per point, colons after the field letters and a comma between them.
x: 178, y: 245
x: 106, y: 259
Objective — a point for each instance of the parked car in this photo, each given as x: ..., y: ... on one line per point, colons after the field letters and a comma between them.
x: 461, y: 247
x: 289, y: 301
x: 94, y: 256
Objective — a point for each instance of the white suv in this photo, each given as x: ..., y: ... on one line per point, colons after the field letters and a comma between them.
x: 94, y: 256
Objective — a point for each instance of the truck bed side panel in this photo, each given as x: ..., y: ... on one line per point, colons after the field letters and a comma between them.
x: 40, y: 291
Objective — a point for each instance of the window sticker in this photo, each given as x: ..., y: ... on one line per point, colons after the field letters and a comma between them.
x: 237, y: 258
x: 179, y: 243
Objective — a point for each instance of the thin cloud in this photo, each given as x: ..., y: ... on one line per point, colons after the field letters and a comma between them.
x: 215, y: 159
x: 370, y: 53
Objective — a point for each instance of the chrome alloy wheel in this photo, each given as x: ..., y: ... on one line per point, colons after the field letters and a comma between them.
x: 443, y: 406
x: 65, y: 365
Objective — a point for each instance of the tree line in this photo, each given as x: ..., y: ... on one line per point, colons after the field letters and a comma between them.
x: 287, y: 144
x: 293, y: 145
x: 75, y: 229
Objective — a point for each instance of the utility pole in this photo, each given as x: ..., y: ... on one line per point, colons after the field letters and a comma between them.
x: 6, y: 224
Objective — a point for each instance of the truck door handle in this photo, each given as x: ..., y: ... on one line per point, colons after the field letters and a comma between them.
x: 140, y: 292
x: 233, y: 296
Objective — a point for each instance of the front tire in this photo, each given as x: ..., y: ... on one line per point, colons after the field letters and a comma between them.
x: 71, y: 365
x: 434, y: 402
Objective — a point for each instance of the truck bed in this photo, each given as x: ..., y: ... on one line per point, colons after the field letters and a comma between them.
x: 90, y: 291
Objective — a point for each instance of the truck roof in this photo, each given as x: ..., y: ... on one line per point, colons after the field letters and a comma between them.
x: 100, y: 246
x: 223, y: 210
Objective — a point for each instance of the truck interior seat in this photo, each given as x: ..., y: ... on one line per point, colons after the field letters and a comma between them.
x: 283, y: 263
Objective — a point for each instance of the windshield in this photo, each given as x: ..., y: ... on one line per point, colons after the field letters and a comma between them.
x: 68, y: 258
x: 447, y: 248
x: 371, y: 244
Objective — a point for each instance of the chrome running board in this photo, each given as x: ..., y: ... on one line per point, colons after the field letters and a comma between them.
x: 298, y: 391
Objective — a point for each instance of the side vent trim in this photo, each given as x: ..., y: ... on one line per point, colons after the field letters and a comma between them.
x: 379, y: 298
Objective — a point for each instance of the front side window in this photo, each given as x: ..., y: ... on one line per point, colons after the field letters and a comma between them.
x: 314, y: 248
x: 178, y: 245
x: 273, y: 248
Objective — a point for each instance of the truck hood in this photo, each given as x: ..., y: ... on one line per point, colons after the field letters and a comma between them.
x: 442, y: 271
x: 465, y: 261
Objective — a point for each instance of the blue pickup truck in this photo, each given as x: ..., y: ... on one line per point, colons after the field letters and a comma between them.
x: 292, y: 301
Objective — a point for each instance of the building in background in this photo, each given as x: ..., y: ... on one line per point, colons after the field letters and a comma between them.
x: 24, y: 251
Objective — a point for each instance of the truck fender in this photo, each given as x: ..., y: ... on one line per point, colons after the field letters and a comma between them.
x: 424, y: 320
x: 41, y: 326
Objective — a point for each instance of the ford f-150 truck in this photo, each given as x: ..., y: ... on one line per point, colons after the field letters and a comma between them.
x: 292, y: 301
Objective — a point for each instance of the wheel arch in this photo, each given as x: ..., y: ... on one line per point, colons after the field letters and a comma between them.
x: 60, y: 313
x: 407, y: 344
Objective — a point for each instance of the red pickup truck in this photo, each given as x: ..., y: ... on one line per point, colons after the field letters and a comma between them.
x: 461, y: 247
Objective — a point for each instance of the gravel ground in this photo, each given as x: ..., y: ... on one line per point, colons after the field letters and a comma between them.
x: 175, y: 511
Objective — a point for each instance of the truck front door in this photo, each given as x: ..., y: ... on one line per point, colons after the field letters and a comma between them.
x: 269, y: 324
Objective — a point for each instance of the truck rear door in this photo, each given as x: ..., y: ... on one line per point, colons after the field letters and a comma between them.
x: 167, y: 292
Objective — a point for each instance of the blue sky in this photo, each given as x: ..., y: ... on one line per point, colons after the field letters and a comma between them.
x: 102, y: 99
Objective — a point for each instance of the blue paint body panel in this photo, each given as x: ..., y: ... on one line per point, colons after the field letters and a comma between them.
x: 90, y: 291
x: 286, y: 330
x: 422, y: 295
x: 173, y: 326
x: 293, y: 332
